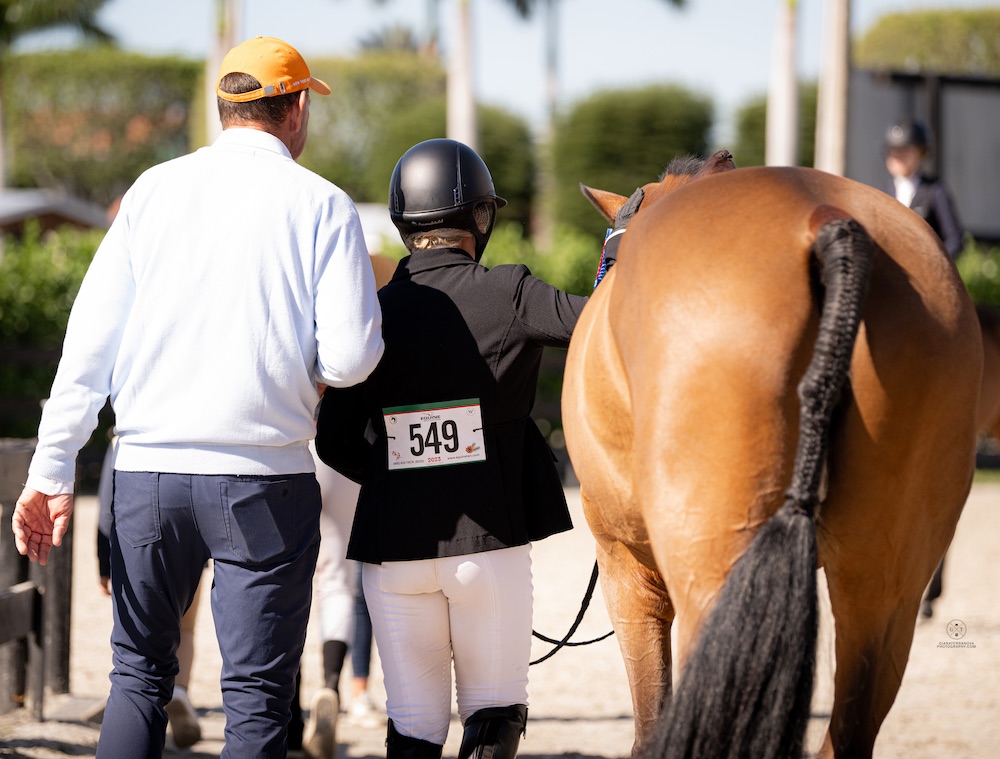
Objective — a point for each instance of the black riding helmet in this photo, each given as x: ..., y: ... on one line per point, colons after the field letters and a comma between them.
x: 907, y: 133
x: 443, y: 183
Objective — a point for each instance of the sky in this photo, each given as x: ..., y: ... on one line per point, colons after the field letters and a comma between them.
x: 720, y: 48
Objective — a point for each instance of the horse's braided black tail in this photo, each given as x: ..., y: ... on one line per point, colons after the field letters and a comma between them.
x: 746, y: 689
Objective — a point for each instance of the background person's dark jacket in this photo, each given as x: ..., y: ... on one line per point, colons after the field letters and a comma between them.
x: 934, y: 204
x: 454, y: 330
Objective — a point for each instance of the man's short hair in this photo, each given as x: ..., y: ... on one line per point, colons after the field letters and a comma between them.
x: 268, y: 111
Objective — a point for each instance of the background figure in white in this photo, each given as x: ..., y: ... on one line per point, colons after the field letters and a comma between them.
x: 181, y: 714
x: 333, y: 602
x: 335, y: 586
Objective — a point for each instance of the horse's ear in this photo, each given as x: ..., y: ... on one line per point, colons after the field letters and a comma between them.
x: 606, y: 202
x: 721, y: 160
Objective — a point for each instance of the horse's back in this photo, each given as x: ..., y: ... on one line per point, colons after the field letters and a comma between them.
x: 719, y: 273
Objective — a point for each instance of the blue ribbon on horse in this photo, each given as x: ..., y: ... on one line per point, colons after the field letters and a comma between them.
x: 602, y: 267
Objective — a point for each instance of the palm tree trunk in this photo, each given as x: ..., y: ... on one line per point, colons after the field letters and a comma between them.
x: 551, y: 64
x: 228, y: 23
x: 3, y: 134
x: 782, y: 123
x: 831, y: 108
x: 542, y: 232
x: 461, y: 120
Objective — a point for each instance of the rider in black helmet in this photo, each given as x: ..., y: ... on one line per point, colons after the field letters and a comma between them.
x: 441, y: 183
x: 907, y: 132
x: 456, y: 478
x: 907, y: 144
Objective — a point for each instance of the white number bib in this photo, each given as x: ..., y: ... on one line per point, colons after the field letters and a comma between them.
x: 434, y: 434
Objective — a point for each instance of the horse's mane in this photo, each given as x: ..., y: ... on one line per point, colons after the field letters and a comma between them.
x: 683, y: 165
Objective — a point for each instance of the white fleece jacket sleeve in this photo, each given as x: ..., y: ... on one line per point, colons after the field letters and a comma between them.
x: 348, y: 316
x: 83, y: 379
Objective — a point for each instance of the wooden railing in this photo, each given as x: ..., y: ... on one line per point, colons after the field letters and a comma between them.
x: 21, y: 636
x: 34, y: 602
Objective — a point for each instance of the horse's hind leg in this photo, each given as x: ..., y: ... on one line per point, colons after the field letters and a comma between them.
x: 641, y: 614
x: 872, y: 647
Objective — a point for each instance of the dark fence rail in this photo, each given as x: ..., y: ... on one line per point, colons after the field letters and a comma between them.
x: 35, y: 601
x: 21, y: 629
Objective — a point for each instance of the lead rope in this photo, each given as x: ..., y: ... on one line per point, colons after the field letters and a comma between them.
x: 576, y: 623
x: 602, y: 269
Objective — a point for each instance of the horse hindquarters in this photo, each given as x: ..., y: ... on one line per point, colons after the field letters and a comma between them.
x: 746, y: 689
x: 907, y: 443
x: 597, y: 418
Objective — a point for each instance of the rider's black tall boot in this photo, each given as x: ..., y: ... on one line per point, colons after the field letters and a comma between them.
x: 494, y: 733
x: 404, y: 747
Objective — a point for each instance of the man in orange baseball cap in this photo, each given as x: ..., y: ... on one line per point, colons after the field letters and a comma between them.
x: 231, y: 282
x: 257, y: 84
x: 275, y: 64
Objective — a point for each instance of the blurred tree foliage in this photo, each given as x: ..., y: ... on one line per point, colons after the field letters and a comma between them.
x: 89, y: 121
x: 40, y: 276
x: 505, y: 144
x: 953, y: 41
x: 22, y: 17
x: 382, y: 104
x: 570, y: 265
x: 749, y: 149
x: 979, y: 267
x: 369, y: 94
x: 619, y: 139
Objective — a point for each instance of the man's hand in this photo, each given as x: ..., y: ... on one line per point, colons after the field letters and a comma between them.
x: 40, y: 521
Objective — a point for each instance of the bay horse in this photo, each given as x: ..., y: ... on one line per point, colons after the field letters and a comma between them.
x: 779, y: 374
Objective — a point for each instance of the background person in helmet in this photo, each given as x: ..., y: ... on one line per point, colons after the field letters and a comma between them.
x: 456, y: 478
x: 906, y: 146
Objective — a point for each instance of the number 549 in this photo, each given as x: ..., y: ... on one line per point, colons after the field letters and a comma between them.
x: 433, y: 439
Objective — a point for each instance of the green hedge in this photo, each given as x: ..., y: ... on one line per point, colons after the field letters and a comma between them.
x: 618, y: 140
x: 750, y: 146
x: 40, y: 276
x: 505, y: 145
x: 948, y: 41
x: 369, y: 95
x: 570, y: 265
x: 979, y: 267
x: 91, y: 120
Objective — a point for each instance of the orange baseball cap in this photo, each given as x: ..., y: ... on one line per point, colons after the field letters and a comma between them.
x: 275, y: 64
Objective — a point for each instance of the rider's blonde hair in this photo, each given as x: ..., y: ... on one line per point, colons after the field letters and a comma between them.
x: 437, y: 238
